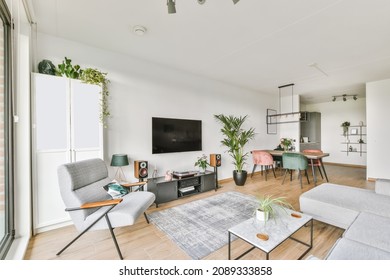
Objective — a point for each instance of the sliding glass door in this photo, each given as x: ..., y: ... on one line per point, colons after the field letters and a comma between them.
x: 6, y: 183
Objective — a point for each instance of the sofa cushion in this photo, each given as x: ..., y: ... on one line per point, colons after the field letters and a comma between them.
x: 327, y: 202
x: 382, y: 186
x: 125, y: 213
x: 370, y: 229
x: 346, y: 249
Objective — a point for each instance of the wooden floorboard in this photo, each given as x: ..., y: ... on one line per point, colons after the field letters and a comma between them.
x: 143, y: 241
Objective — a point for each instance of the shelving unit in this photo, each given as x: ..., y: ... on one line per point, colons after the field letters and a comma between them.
x: 176, y: 188
x: 355, y: 140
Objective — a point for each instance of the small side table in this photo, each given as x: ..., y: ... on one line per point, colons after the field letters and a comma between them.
x: 140, y: 186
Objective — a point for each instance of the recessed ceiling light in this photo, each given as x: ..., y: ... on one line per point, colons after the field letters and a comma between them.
x: 139, y: 30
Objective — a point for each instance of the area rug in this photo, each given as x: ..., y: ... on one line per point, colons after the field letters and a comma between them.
x: 201, y: 227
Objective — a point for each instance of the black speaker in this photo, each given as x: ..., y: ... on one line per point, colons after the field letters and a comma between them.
x: 215, y: 160
x: 140, y: 169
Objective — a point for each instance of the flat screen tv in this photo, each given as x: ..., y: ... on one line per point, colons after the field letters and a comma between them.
x: 176, y: 135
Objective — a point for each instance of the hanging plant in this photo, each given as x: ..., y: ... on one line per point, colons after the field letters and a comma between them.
x: 66, y: 69
x: 96, y: 77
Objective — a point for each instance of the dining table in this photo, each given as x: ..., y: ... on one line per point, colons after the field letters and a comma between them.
x: 310, y: 156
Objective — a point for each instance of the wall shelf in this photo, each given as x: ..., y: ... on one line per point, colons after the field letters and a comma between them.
x: 354, y: 146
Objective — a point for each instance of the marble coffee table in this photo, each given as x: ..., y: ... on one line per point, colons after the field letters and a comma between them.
x: 277, y: 229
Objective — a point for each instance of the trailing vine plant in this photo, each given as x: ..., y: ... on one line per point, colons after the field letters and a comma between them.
x: 96, y: 77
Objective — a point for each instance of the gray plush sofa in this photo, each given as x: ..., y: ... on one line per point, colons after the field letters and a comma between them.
x: 368, y: 238
x: 365, y: 214
x: 339, y: 205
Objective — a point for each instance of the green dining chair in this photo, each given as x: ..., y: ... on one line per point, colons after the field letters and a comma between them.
x: 294, y: 161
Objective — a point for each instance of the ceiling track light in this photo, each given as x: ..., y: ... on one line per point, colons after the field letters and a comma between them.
x: 172, y: 5
x: 344, y: 97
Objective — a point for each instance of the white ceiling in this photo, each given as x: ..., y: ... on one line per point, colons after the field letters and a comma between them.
x: 255, y: 44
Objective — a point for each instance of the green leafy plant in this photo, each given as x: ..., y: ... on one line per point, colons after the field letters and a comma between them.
x: 345, y: 125
x: 235, y: 138
x: 269, y: 204
x: 96, y: 77
x: 286, y: 143
x: 66, y: 69
x: 202, y: 162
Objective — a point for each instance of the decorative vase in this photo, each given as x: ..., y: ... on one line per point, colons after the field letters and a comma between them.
x: 261, y: 215
x: 240, y: 177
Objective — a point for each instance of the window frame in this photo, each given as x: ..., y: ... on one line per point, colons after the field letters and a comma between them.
x: 6, y: 241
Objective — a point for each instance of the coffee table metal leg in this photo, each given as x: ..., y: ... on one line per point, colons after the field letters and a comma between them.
x: 229, y: 247
x: 309, y: 246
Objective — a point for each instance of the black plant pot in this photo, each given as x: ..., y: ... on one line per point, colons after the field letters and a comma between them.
x: 240, y: 177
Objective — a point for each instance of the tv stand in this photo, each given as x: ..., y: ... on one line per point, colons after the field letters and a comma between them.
x: 166, y: 191
x: 182, y: 175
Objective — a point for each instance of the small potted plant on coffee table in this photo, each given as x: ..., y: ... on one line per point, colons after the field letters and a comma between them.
x: 268, y: 206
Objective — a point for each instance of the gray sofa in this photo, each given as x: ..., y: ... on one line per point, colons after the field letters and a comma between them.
x: 365, y: 214
x: 366, y: 239
x: 339, y: 205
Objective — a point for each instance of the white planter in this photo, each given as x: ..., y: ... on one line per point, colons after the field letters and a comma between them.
x: 262, y: 216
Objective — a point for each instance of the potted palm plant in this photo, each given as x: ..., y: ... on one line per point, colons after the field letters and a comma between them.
x: 235, y: 139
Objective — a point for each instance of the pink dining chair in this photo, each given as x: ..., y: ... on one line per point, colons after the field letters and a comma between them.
x: 264, y: 159
x: 316, y: 162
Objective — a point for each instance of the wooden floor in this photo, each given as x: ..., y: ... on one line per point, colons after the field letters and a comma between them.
x: 143, y: 241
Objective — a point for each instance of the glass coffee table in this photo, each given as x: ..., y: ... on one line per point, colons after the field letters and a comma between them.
x: 277, y: 230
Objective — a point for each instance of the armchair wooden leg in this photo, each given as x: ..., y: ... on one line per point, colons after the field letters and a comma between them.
x: 273, y: 170
x: 266, y: 171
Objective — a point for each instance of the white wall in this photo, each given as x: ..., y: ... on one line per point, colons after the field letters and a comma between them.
x: 378, y: 100
x: 140, y: 90
x: 333, y: 114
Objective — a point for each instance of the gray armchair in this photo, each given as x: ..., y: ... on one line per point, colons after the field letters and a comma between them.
x: 90, y: 206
